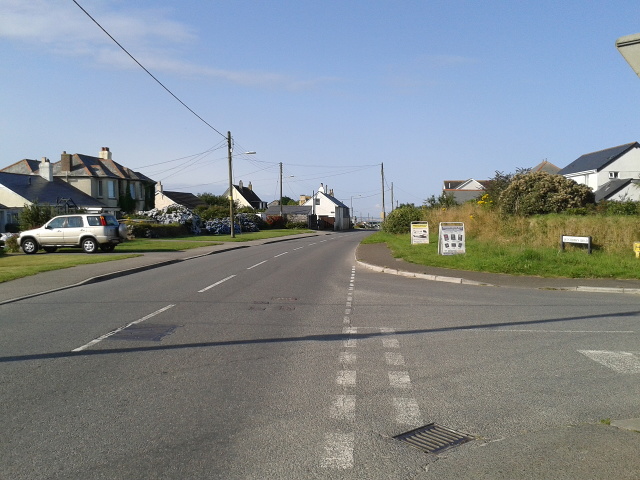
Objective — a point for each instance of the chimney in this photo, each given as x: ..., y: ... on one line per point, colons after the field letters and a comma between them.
x: 159, y: 187
x: 250, y: 187
x: 240, y: 185
x: 105, y: 154
x: 321, y: 188
x: 46, y: 169
x: 65, y: 162
x: 331, y: 192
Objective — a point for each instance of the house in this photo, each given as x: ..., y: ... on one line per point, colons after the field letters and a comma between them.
x: 596, y: 169
x: 114, y: 185
x: 18, y: 190
x: 246, y: 197
x: 545, y: 166
x: 619, y: 189
x: 329, y: 209
x: 464, y: 190
x: 165, y: 198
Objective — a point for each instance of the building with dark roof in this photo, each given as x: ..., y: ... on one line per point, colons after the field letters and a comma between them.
x: 464, y: 190
x: 246, y: 197
x: 165, y: 198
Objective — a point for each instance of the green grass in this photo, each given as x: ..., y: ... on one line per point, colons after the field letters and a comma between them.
x: 574, y: 262
x: 18, y: 265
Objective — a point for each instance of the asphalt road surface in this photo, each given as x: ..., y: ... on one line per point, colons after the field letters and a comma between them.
x: 288, y: 361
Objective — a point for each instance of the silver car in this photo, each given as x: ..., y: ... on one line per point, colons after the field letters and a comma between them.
x: 86, y: 230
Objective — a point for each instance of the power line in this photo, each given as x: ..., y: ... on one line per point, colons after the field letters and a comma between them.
x: 148, y: 72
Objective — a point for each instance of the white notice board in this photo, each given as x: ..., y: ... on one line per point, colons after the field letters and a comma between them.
x: 451, y: 238
x: 419, y: 232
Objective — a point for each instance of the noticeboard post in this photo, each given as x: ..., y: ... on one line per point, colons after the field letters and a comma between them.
x: 419, y: 232
x: 451, y: 238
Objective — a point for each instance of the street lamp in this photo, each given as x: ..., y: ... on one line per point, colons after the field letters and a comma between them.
x: 629, y: 47
x: 230, y: 151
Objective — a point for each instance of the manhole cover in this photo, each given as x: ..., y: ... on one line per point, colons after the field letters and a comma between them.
x: 433, y: 438
x: 144, y: 332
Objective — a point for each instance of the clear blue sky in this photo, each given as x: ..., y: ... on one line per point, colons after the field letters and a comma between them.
x: 435, y: 90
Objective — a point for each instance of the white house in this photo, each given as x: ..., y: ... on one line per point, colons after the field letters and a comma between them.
x: 329, y: 209
x: 464, y: 190
x: 596, y: 169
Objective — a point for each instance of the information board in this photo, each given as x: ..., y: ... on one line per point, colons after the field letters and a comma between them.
x: 451, y: 238
x: 419, y: 232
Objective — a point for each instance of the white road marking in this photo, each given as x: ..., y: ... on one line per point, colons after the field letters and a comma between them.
x: 346, y: 378
x: 394, y: 358
x: 298, y: 248
x: 338, y: 451
x: 280, y: 254
x: 347, y: 357
x: 350, y: 330
x: 216, y: 284
x: 350, y: 343
x: 621, y: 362
x: 400, y: 380
x: 257, y: 264
x: 99, y: 339
x: 343, y: 407
x: 407, y: 411
x: 388, y: 342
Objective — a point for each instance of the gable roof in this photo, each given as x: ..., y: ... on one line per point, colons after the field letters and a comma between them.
x: 461, y: 184
x: 611, y: 187
x: 35, y: 188
x: 188, y: 200
x: 333, y: 199
x: 546, y: 166
x: 249, y: 195
x: 597, y: 160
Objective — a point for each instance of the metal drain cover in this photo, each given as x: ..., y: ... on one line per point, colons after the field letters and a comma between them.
x: 144, y: 332
x: 433, y: 438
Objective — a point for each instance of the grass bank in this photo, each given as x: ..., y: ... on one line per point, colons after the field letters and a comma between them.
x: 18, y: 265
x: 515, y: 259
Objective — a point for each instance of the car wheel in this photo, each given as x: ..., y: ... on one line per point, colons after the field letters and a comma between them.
x: 89, y: 245
x: 50, y: 249
x: 107, y: 248
x: 29, y: 246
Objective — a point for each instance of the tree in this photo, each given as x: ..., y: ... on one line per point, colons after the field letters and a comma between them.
x: 445, y: 200
x: 35, y: 215
x: 499, y: 183
x: 289, y: 201
x: 211, y: 199
x: 542, y: 192
x: 399, y: 221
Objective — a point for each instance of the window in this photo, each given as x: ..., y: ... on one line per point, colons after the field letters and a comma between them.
x: 132, y: 190
x: 100, y: 192
x: 112, y: 188
x: 74, y: 222
x: 614, y: 174
x: 317, y: 201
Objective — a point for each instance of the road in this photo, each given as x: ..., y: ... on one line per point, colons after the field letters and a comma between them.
x: 288, y: 360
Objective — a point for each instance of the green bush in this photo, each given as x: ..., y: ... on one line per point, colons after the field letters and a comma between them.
x: 11, y: 245
x: 155, y: 230
x: 35, y: 215
x: 399, y: 221
x: 297, y: 225
x: 541, y: 192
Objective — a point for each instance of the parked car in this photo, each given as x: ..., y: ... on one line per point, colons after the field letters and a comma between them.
x: 87, y: 231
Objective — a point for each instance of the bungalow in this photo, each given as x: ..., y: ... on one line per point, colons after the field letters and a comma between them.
x: 165, y: 198
x: 246, y: 197
x: 464, y: 190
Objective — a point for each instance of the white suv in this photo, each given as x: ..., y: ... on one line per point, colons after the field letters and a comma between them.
x: 88, y: 231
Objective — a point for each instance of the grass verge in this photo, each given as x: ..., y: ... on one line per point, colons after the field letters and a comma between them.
x: 484, y: 256
x: 246, y: 236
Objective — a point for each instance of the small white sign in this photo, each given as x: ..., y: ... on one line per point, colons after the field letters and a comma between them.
x: 451, y: 238
x: 570, y: 239
x: 419, y: 232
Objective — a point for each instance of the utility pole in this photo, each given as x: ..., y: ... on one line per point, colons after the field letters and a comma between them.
x: 392, y: 196
x: 382, y: 174
x: 280, y: 189
x: 230, y: 150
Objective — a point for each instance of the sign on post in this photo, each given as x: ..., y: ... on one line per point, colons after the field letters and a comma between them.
x: 573, y: 239
x: 419, y: 232
x: 451, y: 238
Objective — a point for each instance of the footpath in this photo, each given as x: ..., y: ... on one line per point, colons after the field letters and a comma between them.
x: 587, y: 451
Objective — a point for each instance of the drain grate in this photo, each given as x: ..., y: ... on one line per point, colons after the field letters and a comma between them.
x: 433, y: 438
x: 144, y: 332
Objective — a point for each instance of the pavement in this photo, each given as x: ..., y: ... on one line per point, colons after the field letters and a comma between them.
x: 613, y: 449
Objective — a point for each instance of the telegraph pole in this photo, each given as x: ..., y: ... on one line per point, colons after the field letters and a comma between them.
x: 392, y: 196
x: 230, y: 150
x: 280, y: 189
x: 382, y: 174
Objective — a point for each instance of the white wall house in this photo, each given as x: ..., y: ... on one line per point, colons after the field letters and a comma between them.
x: 324, y: 204
x: 597, y: 169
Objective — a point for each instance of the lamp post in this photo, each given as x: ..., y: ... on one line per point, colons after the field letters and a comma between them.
x: 230, y: 151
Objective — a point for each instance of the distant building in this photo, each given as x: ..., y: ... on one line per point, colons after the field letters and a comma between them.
x: 464, y: 190
x: 165, y: 198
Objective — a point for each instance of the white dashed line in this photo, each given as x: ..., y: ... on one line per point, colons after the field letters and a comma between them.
x: 343, y: 407
x: 280, y: 254
x: 346, y: 378
x: 257, y: 264
x: 216, y: 284
x: 338, y: 451
x: 400, y: 380
x: 99, y: 339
